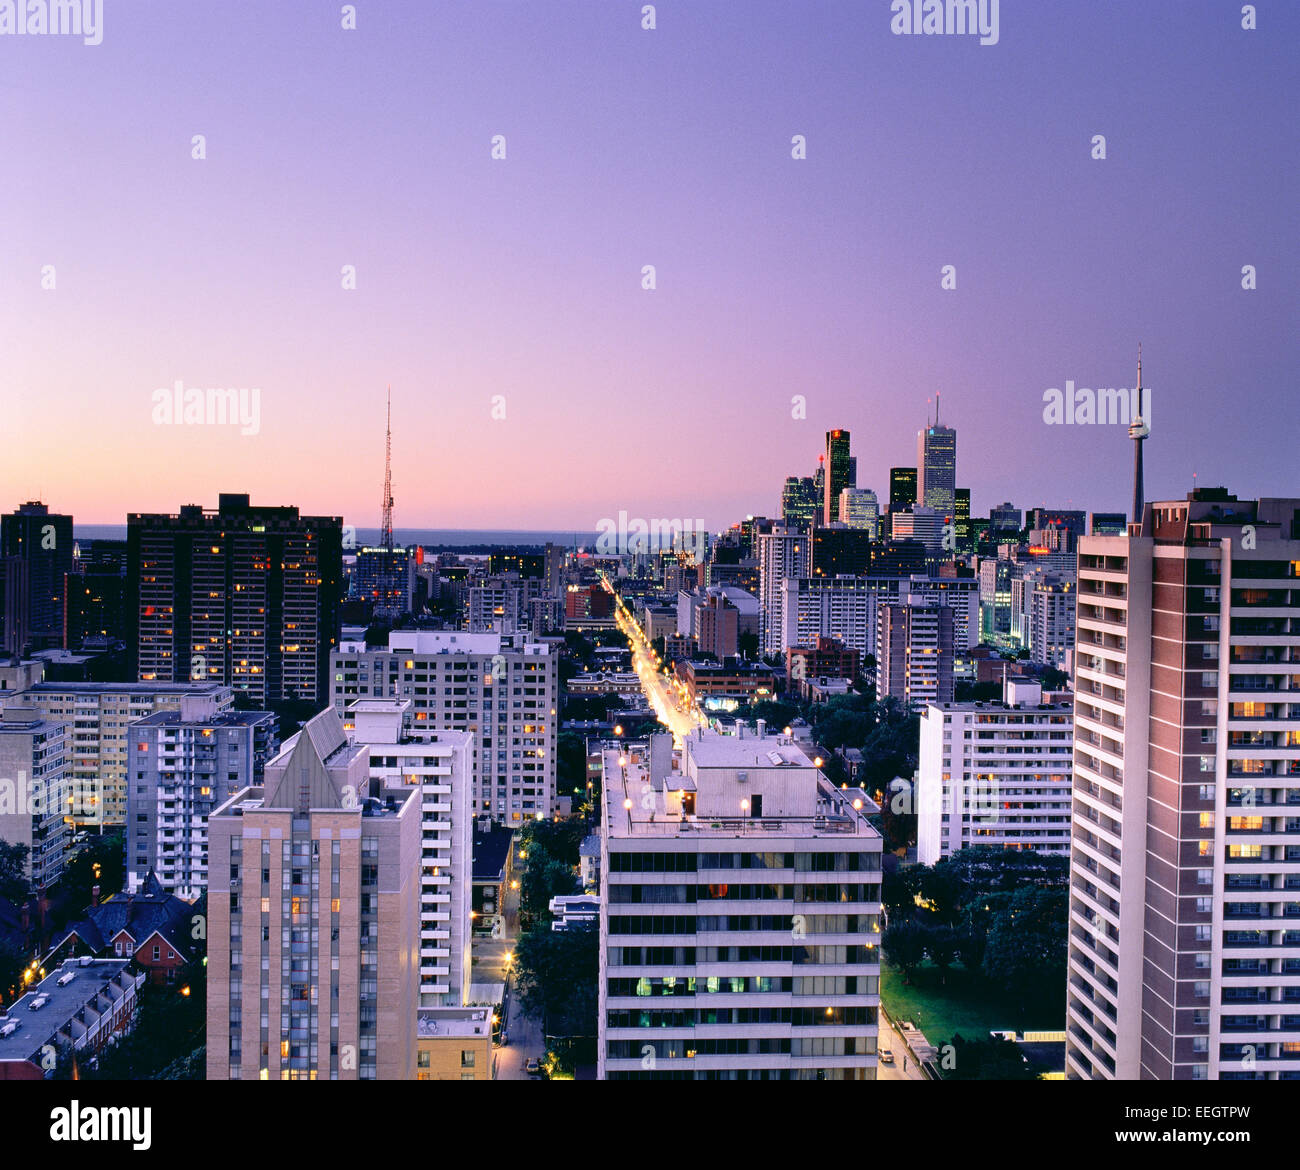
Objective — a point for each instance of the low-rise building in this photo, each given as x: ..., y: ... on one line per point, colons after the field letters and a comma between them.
x: 78, y: 1006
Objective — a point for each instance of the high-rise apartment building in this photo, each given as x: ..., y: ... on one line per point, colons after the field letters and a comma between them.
x: 914, y: 652
x: 504, y: 688
x: 995, y: 773
x: 182, y: 764
x: 385, y: 579
x: 740, y: 917
x: 438, y: 763
x: 1187, y: 796
x: 245, y: 596
x: 314, y: 919
x: 32, y: 777
x: 782, y: 553
x: 97, y: 718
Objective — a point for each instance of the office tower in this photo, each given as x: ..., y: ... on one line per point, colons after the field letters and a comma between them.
x: 245, y: 596
x: 1107, y: 524
x: 837, y: 474
x: 42, y: 542
x: 439, y: 764
x: 15, y: 607
x: 502, y: 687
x: 961, y: 520
x: 384, y: 578
x: 902, y: 488
x: 928, y: 526
x: 936, y: 467
x: 1005, y: 520
x: 995, y: 602
x: 314, y: 919
x: 914, y: 652
x: 995, y: 773
x: 33, y: 753
x: 98, y: 716
x: 182, y: 764
x: 1186, y: 786
x: 800, y: 502
x: 782, y: 553
x: 859, y: 508
x: 758, y: 884
x: 837, y: 550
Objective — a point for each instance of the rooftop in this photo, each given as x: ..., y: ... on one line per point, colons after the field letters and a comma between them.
x: 62, y: 1002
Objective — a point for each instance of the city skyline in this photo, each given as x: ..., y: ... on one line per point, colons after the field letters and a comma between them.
x: 521, y: 277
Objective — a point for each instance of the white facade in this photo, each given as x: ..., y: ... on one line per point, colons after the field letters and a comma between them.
x: 503, y: 688
x: 739, y: 922
x: 995, y: 774
x: 439, y: 762
x: 782, y: 553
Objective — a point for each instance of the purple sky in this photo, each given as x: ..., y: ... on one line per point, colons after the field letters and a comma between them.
x: 626, y: 147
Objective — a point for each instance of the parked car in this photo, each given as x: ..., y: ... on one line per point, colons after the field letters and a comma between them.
x: 886, y: 1057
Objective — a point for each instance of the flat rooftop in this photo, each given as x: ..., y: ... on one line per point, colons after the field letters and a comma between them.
x: 635, y: 807
x: 36, y: 1027
x: 133, y: 688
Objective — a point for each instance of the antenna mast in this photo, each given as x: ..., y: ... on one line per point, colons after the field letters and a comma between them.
x: 386, y: 523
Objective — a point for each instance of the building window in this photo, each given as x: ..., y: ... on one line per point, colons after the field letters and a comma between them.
x: 421, y: 1060
x: 467, y: 1058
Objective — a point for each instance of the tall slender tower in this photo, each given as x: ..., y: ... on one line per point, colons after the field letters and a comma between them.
x: 1138, y: 431
x: 386, y: 524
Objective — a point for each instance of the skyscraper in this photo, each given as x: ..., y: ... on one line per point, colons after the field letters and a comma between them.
x: 902, y: 488
x: 837, y: 474
x: 1186, y: 791
x: 799, y: 501
x: 936, y: 468
x: 247, y: 596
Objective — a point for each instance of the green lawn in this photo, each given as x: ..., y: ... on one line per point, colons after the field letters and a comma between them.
x: 964, y: 1004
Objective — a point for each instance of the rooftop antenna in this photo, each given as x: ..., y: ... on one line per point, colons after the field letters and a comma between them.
x: 1138, y: 431
x: 386, y: 524
x: 936, y: 408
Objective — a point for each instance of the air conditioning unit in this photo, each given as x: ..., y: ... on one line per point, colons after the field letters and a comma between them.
x: 66, y: 978
x: 9, y: 1029
x: 743, y: 777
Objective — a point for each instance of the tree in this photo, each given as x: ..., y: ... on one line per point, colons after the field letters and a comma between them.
x: 101, y: 863
x: 904, y: 946
x: 570, y: 762
x: 13, y: 872
x: 943, y: 944
x: 1027, y: 942
x: 556, y: 978
x: 544, y: 879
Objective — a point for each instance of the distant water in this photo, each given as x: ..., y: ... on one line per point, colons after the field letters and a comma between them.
x: 430, y: 537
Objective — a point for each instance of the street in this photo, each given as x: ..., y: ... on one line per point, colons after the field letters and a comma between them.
x: 890, y: 1041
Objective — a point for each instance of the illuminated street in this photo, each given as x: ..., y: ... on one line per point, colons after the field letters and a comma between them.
x: 665, y: 692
